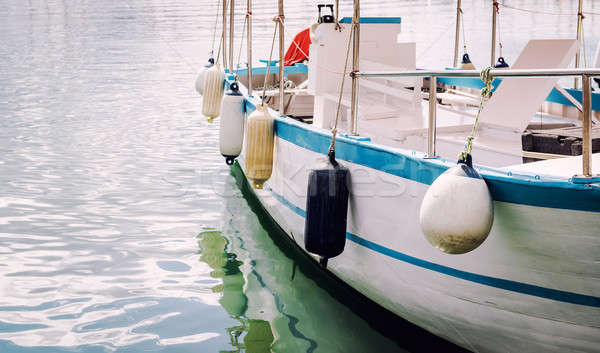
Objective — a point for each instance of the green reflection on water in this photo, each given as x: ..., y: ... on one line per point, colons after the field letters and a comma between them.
x: 258, y: 334
x: 282, y: 301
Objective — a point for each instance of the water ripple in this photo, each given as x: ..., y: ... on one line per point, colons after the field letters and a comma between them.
x: 108, y: 173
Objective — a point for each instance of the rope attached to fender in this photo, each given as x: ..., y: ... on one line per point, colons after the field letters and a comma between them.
x: 212, y: 51
x: 237, y: 71
x: 337, y: 27
x: 269, y: 63
x: 331, y: 152
x: 485, y: 93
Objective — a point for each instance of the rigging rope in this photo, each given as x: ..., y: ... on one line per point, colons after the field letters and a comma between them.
x: 212, y: 51
x: 337, y: 113
x: 485, y: 93
x: 269, y: 63
x: 583, y: 44
x: 498, y: 28
x: 548, y: 12
x: 337, y: 27
x: 240, y: 51
x: 219, y: 50
x: 462, y: 20
x: 437, y: 39
x: 306, y: 54
x: 223, y: 39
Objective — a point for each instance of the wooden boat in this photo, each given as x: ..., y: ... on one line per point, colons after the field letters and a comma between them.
x: 534, y: 283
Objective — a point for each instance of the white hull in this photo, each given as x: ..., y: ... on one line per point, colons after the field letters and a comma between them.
x: 532, y: 286
x: 272, y: 284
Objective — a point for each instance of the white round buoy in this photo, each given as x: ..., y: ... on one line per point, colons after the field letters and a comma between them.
x: 202, y: 76
x: 231, y: 129
x: 213, y: 91
x: 259, y: 146
x: 457, y: 212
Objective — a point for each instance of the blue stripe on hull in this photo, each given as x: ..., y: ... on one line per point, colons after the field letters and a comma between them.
x: 520, y: 189
x: 513, y: 286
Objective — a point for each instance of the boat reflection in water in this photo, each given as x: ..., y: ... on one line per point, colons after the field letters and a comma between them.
x: 258, y: 335
x: 279, y: 309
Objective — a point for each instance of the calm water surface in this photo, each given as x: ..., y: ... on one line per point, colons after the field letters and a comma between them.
x: 120, y: 227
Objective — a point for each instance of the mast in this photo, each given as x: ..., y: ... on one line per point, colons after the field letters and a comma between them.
x: 355, y: 56
x: 456, y: 35
x: 231, y: 19
x: 224, y: 34
x: 493, y: 54
x: 249, y: 46
x: 281, y: 59
x: 579, y: 29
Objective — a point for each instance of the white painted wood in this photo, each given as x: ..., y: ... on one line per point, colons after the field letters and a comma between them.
x: 502, y: 109
x: 541, y: 155
x: 379, y: 48
x: 564, y: 167
x: 596, y: 62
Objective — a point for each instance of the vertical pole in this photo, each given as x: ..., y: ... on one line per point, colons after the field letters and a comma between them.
x: 587, y: 125
x: 249, y: 46
x: 431, y: 131
x: 457, y: 34
x: 355, y: 60
x: 224, y: 35
x: 231, y: 29
x: 579, y: 29
x: 494, y: 13
x: 281, y: 59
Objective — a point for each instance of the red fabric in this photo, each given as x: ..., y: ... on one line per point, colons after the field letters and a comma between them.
x: 295, y: 55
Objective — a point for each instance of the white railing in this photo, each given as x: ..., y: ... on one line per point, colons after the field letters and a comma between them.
x: 585, y: 75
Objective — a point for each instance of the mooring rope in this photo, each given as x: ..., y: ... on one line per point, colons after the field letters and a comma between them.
x: 485, y: 93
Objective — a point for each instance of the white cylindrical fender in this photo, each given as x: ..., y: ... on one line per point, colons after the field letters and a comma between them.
x: 259, y: 146
x: 202, y: 76
x: 231, y: 129
x: 457, y: 212
x: 213, y: 91
x: 200, y: 80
